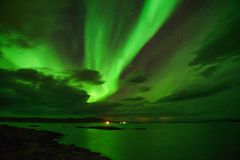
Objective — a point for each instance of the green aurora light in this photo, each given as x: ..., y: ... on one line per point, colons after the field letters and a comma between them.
x: 111, y: 61
x: 138, y: 58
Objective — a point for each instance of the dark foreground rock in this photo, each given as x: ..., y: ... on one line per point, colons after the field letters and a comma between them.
x: 28, y: 144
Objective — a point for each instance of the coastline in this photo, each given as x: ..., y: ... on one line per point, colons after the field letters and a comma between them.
x: 22, y: 143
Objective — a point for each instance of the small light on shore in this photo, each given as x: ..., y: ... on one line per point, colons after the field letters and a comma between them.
x: 107, y: 122
x: 123, y: 122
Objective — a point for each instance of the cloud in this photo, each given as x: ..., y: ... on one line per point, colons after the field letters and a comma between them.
x: 213, y: 82
x: 87, y: 75
x: 98, y: 108
x: 220, y: 45
x: 54, y: 24
x: 144, y: 89
x: 134, y: 99
x: 209, y: 71
x: 26, y: 90
x: 195, y: 92
x: 15, y: 17
x: 1, y: 54
x: 138, y: 77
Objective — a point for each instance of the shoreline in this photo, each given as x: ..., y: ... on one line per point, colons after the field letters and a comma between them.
x: 22, y: 143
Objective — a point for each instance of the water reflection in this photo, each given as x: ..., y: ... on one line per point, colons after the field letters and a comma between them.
x: 207, y: 141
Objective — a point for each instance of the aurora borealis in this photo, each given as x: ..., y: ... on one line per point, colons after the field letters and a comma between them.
x: 108, y: 49
x: 137, y: 59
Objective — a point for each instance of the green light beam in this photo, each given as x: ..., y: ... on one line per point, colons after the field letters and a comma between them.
x: 110, y: 54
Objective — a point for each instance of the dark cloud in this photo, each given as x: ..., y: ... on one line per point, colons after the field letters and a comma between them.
x: 98, y: 108
x: 138, y: 77
x: 209, y: 71
x: 5, y: 99
x: 23, y: 43
x: 27, y: 24
x: 1, y: 54
x: 144, y: 89
x: 223, y: 46
x: 217, y: 79
x: 134, y: 99
x: 15, y: 16
x: 196, y: 92
x: 28, y: 75
x: 28, y: 89
x: 87, y: 75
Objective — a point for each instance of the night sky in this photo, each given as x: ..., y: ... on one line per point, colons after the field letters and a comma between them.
x: 123, y: 59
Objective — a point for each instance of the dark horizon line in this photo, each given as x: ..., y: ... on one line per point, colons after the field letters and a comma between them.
x: 103, y: 120
x: 42, y: 119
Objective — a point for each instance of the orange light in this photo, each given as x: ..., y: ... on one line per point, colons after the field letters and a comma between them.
x: 107, y: 122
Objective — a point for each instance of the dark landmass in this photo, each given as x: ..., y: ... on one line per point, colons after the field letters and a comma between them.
x: 216, y: 120
x: 28, y: 144
x: 109, y: 128
x: 206, y: 120
x: 56, y: 120
x: 102, y: 120
x: 101, y: 127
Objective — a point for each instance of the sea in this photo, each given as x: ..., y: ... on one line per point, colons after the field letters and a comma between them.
x: 152, y: 141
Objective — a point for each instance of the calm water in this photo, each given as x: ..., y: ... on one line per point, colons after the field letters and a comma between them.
x: 192, y: 141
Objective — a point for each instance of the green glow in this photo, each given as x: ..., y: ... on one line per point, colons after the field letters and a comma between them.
x: 108, y: 54
x: 26, y: 59
x: 41, y: 55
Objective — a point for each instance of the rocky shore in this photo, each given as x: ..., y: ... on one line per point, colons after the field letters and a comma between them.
x: 29, y: 144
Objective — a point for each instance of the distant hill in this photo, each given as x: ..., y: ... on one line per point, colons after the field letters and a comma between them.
x: 59, y: 120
